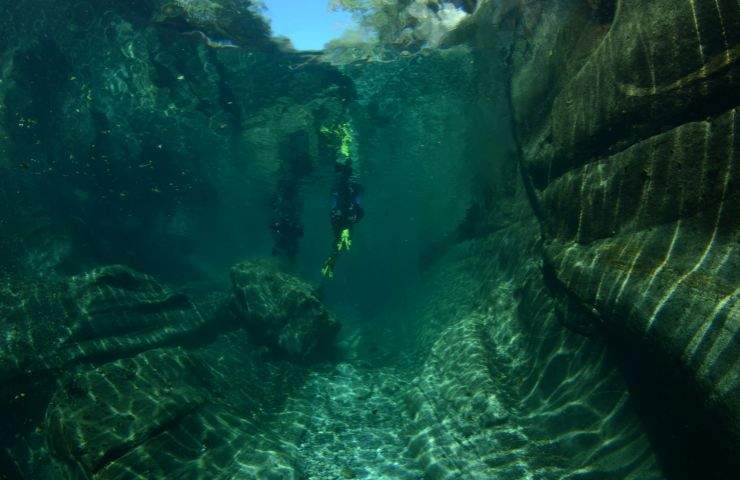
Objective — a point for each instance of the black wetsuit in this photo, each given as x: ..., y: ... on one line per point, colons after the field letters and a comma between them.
x: 295, y: 166
x: 346, y: 210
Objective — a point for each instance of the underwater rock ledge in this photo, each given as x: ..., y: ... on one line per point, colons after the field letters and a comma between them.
x: 282, y: 311
x: 140, y: 132
x: 626, y: 114
x: 118, y: 373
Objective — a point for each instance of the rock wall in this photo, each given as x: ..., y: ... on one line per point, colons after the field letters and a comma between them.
x: 282, y: 311
x: 505, y: 391
x: 128, y: 138
x: 111, y: 375
x: 578, y: 321
x: 626, y: 117
x: 501, y: 389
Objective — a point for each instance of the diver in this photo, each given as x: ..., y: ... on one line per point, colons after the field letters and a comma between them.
x: 346, y: 209
x: 285, y: 223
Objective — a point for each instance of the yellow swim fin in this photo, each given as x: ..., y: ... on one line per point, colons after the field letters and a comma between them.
x: 345, y: 242
x: 327, y: 270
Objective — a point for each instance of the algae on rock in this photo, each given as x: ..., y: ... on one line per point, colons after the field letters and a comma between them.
x: 626, y: 114
x: 282, y: 311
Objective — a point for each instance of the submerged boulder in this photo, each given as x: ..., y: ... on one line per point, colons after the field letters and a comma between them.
x: 55, y: 327
x: 107, y: 374
x: 109, y: 312
x: 281, y: 311
x: 170, y: 413
x: 101, y: 415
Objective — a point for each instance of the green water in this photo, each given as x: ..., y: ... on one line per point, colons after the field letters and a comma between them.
x: 503, y: 247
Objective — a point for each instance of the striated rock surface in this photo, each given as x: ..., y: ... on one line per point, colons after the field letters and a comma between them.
x: 282, y: 311
x: 626, y: 113
x: 506, y: 392
x: 106, y: 313
x: 102, y: 415
x: 110, y: 375
x: 494, y: 386
x: 51, y: 327
x: 126, y: 137
x: 171, y: 413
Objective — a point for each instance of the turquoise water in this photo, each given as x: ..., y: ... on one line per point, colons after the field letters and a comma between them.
x: 472, y: 240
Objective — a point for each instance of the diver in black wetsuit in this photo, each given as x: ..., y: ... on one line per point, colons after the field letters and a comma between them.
x: 285, y: 224
x: 346, y: 211
x: 346, y: 208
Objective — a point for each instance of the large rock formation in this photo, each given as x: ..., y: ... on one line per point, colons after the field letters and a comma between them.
x: 170, y: 413
x: 282, y: 311
x: 147, y: 132
x: 127, y: 138
x: 120, y: 376
x: 501, y: 390
x: 107, y: 313
x: 626, y: 114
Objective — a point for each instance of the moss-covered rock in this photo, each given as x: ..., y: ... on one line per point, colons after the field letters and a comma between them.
x: 626, y: 112
x: 506, y: 391
x: 58, y: 327
x: 131, y: 133
x: 169, y: 413
x: 107, y: 313
x: 282, y: 311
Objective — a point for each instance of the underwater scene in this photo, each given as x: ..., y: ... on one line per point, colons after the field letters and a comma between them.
x: 369, y: 239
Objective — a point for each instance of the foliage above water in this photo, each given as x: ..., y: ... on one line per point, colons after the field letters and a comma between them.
x: 391, y: 27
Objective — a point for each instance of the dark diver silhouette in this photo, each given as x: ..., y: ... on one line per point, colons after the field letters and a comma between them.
x: 346, y: 210
x: 285, y: 224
